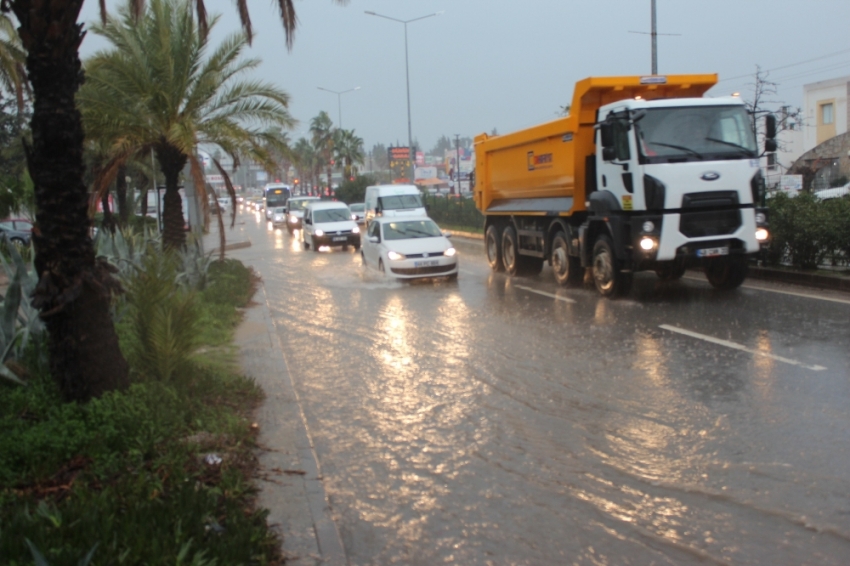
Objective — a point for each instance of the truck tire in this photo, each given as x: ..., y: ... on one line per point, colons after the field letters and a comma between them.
x: 493, y: 247
x: 608, y: 276
x: 567, y: 269
x: 510, y: 251
x: 670, y: 270
x: 727, y: 272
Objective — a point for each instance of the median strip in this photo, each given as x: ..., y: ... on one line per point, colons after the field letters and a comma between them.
x: 544, y: 293
x: 741, y: 347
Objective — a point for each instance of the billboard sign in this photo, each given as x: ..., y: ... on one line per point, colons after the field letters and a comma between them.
x: 425, y: 173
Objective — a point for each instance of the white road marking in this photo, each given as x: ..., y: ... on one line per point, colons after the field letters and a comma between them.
x: 740, y: 347
x: 792, y: 293
x: 544, y: 293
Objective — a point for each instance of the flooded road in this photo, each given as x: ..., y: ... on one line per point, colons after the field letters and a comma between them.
x: 509, y: 421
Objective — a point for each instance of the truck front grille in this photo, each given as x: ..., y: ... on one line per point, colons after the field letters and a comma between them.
x: 710, y: 214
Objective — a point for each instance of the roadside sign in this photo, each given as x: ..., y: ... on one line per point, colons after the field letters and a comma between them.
x: 791, y: 184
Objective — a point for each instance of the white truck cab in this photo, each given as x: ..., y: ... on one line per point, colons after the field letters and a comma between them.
x: 682, y: 176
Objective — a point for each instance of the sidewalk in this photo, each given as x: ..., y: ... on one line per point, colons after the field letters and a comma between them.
x: 289, y: 476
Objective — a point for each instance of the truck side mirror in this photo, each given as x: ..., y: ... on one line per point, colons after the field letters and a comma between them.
x: 608, y: 154
x: 770, y: 145
x: 770, y: 127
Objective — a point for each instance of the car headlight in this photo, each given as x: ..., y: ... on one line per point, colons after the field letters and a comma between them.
x: 293, y: 219
x: 319, y: 233
x: 450, y: 252
x: 395, y: 256
x: 355, y: 230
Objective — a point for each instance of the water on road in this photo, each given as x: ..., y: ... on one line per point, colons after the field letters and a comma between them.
x: 509, y: 421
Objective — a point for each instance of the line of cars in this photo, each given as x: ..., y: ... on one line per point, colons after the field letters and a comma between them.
x: 400, y: 240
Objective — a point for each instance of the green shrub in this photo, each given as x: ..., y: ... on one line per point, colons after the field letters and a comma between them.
x: 806, y: 231
x: 456, y: 212
x: 124, y: 474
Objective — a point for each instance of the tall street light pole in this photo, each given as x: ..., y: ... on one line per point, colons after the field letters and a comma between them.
x: 654, y: 34
x: 407, y: 73
x: 339, y: 94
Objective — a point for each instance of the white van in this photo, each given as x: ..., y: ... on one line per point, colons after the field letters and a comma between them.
x: 393, y: 200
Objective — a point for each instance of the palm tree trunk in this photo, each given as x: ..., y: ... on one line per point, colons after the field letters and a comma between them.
x: 172, y: 162
x: 121, y: 197
x: 73, y: 292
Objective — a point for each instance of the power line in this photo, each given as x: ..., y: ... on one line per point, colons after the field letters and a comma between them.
x: 790, y: 65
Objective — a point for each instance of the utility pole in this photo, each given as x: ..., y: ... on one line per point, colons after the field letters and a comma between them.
x: 654, y: 35
x: 457, y: 164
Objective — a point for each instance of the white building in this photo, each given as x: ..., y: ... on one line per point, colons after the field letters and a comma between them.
x: 825, y: 110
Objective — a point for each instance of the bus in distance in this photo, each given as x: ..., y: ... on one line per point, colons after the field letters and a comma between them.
x: 274, y: 195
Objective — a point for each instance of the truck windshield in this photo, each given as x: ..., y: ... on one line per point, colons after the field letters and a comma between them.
x: 400, y: 201
x: 695, y: 133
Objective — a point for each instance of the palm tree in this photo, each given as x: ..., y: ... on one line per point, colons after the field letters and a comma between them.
x: 322, y: 130
x: 305, y: 158
x: 74, y: 290
x: 13, y: 76
x: 155, y: 89
x: 348, y: 151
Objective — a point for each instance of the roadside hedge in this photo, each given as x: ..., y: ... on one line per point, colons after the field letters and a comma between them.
x: 807, y: 232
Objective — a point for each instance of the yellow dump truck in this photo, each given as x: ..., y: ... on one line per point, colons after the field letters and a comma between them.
x: 644, y: 173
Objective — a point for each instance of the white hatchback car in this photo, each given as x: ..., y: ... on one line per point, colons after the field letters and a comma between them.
x: 408, y: 248
x: 279, y: 216
x: 328, y: 223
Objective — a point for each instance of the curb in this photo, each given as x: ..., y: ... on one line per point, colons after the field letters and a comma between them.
x: 832, y: 283
x: 233, y: 246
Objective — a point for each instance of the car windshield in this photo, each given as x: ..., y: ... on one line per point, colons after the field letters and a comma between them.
x: 695, y: 133
x: 299, y: 204
x: 279, y: 210
x: 397, y: 202
x: 331, y: 215
x: 411, y: 229
x: 357, y: 207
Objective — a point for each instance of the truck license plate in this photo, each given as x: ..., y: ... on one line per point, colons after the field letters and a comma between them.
x: 428, y: 263
x: 340, y: 238
x: 713, y: 252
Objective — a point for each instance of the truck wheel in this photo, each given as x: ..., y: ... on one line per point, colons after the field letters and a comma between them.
x: 493, y: 243
x: 567, y: 268
x: 670, y: 271
x: 726, y: 273
x: 609, y: 278
x: 510, y: 251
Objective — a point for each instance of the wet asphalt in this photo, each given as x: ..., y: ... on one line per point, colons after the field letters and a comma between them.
x: 499, y: 420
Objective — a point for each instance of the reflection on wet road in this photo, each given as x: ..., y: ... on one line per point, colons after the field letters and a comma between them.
x: 509, y: 421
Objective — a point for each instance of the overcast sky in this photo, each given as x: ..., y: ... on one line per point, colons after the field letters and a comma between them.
x: 508, y: 64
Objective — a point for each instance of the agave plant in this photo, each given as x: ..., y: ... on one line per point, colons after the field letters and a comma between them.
x: 19, y: 321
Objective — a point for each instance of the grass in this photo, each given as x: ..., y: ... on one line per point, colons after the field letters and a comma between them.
x: 126, y: 474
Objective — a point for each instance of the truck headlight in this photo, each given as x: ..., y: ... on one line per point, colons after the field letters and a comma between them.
x: 648, y: 226
x: 293, y: 219
x: 319, y: 233
x: 762, y: 234
x: 647, y: 244
x: 355, y: 230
